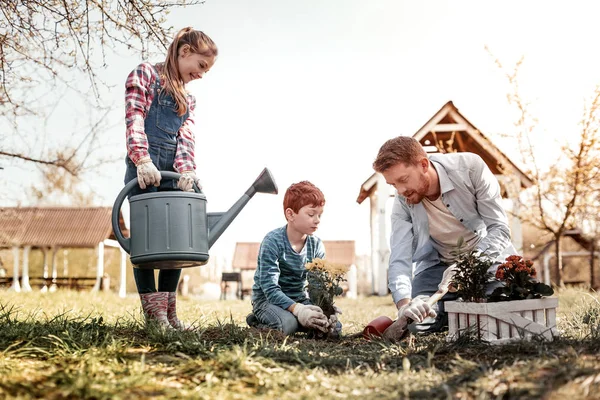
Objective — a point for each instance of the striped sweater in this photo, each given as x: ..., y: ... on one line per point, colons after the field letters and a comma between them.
x: 280, y: 275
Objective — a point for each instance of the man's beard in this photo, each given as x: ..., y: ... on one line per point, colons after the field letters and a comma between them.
x: 416, y: 196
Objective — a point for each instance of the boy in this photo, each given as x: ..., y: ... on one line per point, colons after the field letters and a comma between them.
x: 279, y: 297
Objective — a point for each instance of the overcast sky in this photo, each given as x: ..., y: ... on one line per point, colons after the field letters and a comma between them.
x: 311, y: 89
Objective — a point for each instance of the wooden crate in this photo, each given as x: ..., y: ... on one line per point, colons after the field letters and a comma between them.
x: 503, y: 321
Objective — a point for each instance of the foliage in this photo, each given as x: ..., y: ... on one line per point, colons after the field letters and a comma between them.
x: 91, y: 345
x: 564, y: 195
x: 472, y: 273
x: 324, y: 280
x: 49, y: 48
x: 518, y: 276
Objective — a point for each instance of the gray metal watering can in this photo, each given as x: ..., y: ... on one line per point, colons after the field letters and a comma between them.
x: 171, y: 229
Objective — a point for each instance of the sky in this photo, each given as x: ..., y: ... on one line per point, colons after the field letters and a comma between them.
x: 311, y: 89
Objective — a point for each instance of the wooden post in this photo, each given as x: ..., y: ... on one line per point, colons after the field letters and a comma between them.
x: 65, y: 263
x: 383, y: 251
x: 592, y: 263
x: 15, y: 285
x: 45, y: 270
x: 374, y: 242
x: 54, y: 270
x: 547, y: 257
x: 352, y: 282
x: 123, y: 279
x: 25, y: 287
x: 99, y: 266
x: 185, y: 285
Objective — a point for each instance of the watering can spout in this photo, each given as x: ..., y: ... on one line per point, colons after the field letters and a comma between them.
x: 218, y: 222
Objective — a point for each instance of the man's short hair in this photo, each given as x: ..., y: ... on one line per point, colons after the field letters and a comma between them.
x: 402, y: 149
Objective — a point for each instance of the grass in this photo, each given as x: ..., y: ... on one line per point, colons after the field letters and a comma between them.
x: 84, y: 345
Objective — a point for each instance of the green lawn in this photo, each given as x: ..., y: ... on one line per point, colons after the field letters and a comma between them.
x: 83, y: 345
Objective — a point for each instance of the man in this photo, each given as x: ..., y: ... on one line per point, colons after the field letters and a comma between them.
x: 440, y: 198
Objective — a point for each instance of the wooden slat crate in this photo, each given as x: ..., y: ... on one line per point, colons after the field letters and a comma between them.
x: 503, y: 321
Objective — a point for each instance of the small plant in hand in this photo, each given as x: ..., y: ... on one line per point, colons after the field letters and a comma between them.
x: 324, y: 280
x: 518, y: 275
x: 471, y: 275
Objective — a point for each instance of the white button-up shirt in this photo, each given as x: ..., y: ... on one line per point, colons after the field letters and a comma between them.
x: 472, y: 194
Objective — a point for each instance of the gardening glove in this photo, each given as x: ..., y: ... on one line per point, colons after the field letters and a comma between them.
x: 311, y: 316
x: 147, y: 173
x: 333, y: 319
x: 417, y: 310
x: 186, y: 181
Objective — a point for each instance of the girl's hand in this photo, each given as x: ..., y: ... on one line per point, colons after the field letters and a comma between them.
x: 147, y: 173
x: 186, y: 182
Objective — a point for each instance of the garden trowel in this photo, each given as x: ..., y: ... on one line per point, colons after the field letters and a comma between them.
x: 399, y: 328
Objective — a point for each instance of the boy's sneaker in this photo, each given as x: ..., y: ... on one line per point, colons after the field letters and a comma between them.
x: 252, y: 321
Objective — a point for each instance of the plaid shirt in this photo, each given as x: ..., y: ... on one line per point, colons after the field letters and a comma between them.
x: 139, y: 94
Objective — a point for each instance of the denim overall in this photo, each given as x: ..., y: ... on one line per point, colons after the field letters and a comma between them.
x: 161, y: 126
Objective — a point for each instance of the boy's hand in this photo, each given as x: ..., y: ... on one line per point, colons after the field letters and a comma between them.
x: 186, y: 181
x: 311, y: 316
x: 333, y: 319
x: 147, y: 173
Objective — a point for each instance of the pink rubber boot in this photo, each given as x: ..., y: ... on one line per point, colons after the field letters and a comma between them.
x: 172, y: 314
x: 155, y: 305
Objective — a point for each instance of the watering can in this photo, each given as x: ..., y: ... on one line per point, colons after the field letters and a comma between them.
x: 171, y: 229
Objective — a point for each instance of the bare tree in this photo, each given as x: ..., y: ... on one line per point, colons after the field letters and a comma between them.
x: 565, y: 193
x: 55, y: 44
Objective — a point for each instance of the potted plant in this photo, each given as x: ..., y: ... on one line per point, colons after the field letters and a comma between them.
x: 515, y: 310
x: 471, y: 275
x: 324, y: 284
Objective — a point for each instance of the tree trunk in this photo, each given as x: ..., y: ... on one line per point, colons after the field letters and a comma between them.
x: 559, y: 264
x: 592, y: 263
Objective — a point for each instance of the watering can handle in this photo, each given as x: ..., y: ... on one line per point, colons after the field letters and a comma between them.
x: 123, y: 241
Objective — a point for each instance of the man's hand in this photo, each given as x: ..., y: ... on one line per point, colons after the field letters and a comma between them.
x: 311, y: 316
x: 186, y: 181
x: 417, y: 310
x: 147, y: 173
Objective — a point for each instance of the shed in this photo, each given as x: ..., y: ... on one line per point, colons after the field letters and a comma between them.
x: 53, y: 228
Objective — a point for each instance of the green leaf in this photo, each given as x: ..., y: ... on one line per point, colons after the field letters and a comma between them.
x: 543, y: 289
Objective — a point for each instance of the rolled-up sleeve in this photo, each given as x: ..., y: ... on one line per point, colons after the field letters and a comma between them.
x: 138, y: 97
x: 400, y: 270
x: 489, y: 206
x: 185, y: 159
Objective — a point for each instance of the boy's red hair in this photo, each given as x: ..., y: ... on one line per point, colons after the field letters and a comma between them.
x: 302, y: 194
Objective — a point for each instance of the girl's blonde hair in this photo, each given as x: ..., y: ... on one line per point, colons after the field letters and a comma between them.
x: 199, y: 43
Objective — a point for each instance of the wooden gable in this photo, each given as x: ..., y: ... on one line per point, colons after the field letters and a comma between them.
x: 449, y: 131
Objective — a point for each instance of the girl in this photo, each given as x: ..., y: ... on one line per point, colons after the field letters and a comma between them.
x: 159, y: 115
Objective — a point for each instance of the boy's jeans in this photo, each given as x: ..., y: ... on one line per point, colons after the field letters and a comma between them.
x: 275, y: 317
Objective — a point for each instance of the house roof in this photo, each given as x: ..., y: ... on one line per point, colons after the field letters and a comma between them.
x: 245, y: 255
x: 574, y: 234
x: 450, y: 131
x: 54, y: 226
x: 338, y: 251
